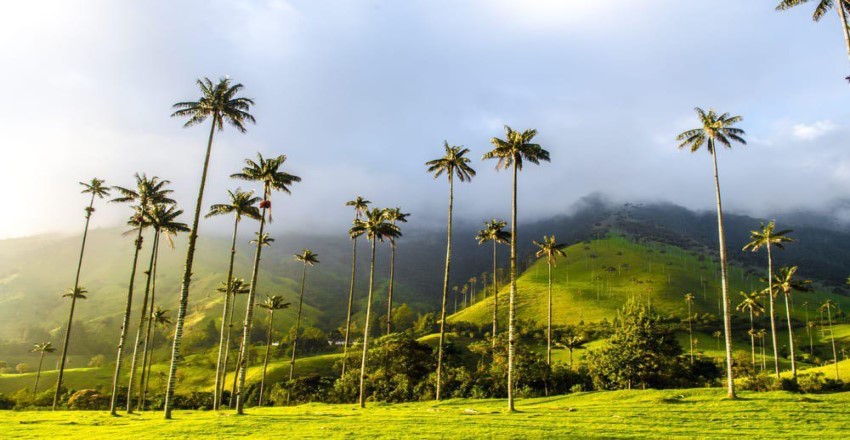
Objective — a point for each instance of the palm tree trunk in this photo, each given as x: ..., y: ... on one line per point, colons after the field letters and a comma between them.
x: 549, y: 323
x: 724, y: 282
x: 298, y: 321
x: 495, y: 298
x: 219, y: 365
x: 248, y: 325
x: 147, y: 359
x: 38, y: 373
x: 791, y: 338
x: 266, y: 358
x: 350, y: 302
x: 772, y: 310
x: 232, y: 401
x: 691, y: 333
x: 141, y: 327
x: 390, y: 295
x: 187, y: 280
x: 843, y: 15
x: 445, y: 289
x: 227, y: 353
x: 366, y: 327
x: 150, y: 363
x: 752, y: 339
x: 113, y: 405
x: 512, y: 296
x: 73, y: 304
x: 832, y: 337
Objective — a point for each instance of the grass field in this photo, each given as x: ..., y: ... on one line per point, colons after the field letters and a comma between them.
x: 694, y: 413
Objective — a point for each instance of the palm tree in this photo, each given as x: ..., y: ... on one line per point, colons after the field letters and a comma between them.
x: 454, y: 163
x: 511, y: 152
x: 393, y: 215
x: 242, y: 204
x: 764, y: 238
x: 717, y: 128
x: 219, y: 103
x: 159, y: 317
x: 267, y: 172
x: 784, y: 282
x: 375, y: 227
x: 148, y: 193
x: 573, y: 343
x: 74, y: 293
x: 810, y: 327
x: 751, y: 304
x: 827, y: 306
x: 494, y: 232
x: 551, y: 250
x: 237, y: 287
x: 360, y: 205
x: 689, y: 300
x: 42, y: 348
x: 96, y: 187
x: 822, y: 8
x: 271, y: 304
x: 306, y: 257
x: 761, y: 334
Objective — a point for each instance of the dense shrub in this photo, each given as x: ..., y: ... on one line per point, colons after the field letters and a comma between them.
x: 312, y: 388
x: 6, y: 402
x: 88, y: 400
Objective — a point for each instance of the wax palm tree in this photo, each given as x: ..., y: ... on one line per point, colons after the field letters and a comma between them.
x: 717, y: 129
x: 272, y: 303
x: 828, y: 306
x: 810, y: 327
x: 784, y: 282
x: 241, y: 204
x: 75, y: 293
x: 823, y: 6
x: 767, y: 238
x: 220, y: 104
x: 360, y: 205
x: 753, y: 307
x: 573, y: 343
x: 689, y: 300
x: 267, y: 172
x: 306, y: 257
x: 42, y: 348
x: 149, y: 192
x: 159, y: 317
x: 494, y: 232
x: 97, y: 188
x: 511, y: 153
x: 237, y: 287
x: 550, y: 249
x: 453, y: 163
x: 761, y: 334
x: 393, y: 215
x: 375, y: 227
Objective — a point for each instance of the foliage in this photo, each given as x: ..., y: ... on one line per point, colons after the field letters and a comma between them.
x: 89, y: 400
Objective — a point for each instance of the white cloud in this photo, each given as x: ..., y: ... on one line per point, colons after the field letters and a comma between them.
x: 810, y: 132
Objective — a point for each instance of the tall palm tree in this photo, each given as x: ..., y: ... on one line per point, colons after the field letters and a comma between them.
x: 828, y: 306
x: 511, y: 153
x: 268, y: 173
x: 271, y: 304
x: 573, y: 343
x: 237, y: 287
x: 784, y: 282
x: 220, y: 104
x: 149, y: 192
x: 761, y: 334
x: 717, y: 129
x: 766, y: 238
x: 241, y: 204
x: 822, y: 8
x: 494, y: 232
x: 689, y: 300
x: 97, y: 188
x: 550, y: 249
x: 375, y: 227
x: 453, y: 163
x: 306, y: 257
x: 360, y: 205
x: 394, y: 215
x: 74, y: 293
x: 159, y: 317
x: 751, y: 304
x: 42, y: 348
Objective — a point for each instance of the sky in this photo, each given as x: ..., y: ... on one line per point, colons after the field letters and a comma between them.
x: 359, y: 94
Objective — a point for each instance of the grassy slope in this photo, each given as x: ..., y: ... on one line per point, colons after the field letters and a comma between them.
x: 692, y: 413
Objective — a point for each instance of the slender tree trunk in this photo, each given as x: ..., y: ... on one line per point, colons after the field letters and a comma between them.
x: 811, y: 342
x: 690, y: 333
x: 772, y: 310
x: 445, y: 289
x: 148, y: 350
x: 232, y: 401
x: 791, y: 338
x: 512, y: 298
x: 298, y: 322
x: 832, y: 337
x: 141, y: 327
x: 266, y: 358
x: 225, y: 330
x: 113, y: 406
x: 724, y: 282
x: 549, y: 322
x: 843, y: 15
x: 248, y: 325
x: 150, y: 363
x: 495, y: 298
x: 350, y: 302
x: 73, y: 305
x: 38, y: 373
x: 227, y: 353
x: 187, y: 280
x: 392, y: 281
x: 366, y: 327
x: 763, y: 356
x: 752, y: 339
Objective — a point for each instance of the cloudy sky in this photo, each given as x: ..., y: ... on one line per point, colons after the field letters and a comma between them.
x: 359, y: 94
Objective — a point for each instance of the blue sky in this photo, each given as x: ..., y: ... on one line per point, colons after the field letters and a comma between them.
x: 359, y: 94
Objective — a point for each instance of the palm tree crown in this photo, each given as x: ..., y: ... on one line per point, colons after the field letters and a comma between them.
x: 768, y: 236
x: 750, y: 303
x: 267, y: 171
x: 784, y: 281
x: 821, y: 9
x: 242, y: 203
x: 715, y: 128
x: 43, y: 347
x: 494, y: 230
x: 307, y: 257
x: 549, y: 249
x: 360, y: 205
x: 516, y: 148
x: 375, y: 226
x: 78, y: 293
x: 219, y: 102
x: 453, y: 163
x: 274, y: 303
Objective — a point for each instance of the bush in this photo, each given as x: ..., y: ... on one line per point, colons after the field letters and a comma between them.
x: 6, y: 402
x: 313, y: 388
x: 88, y: 400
